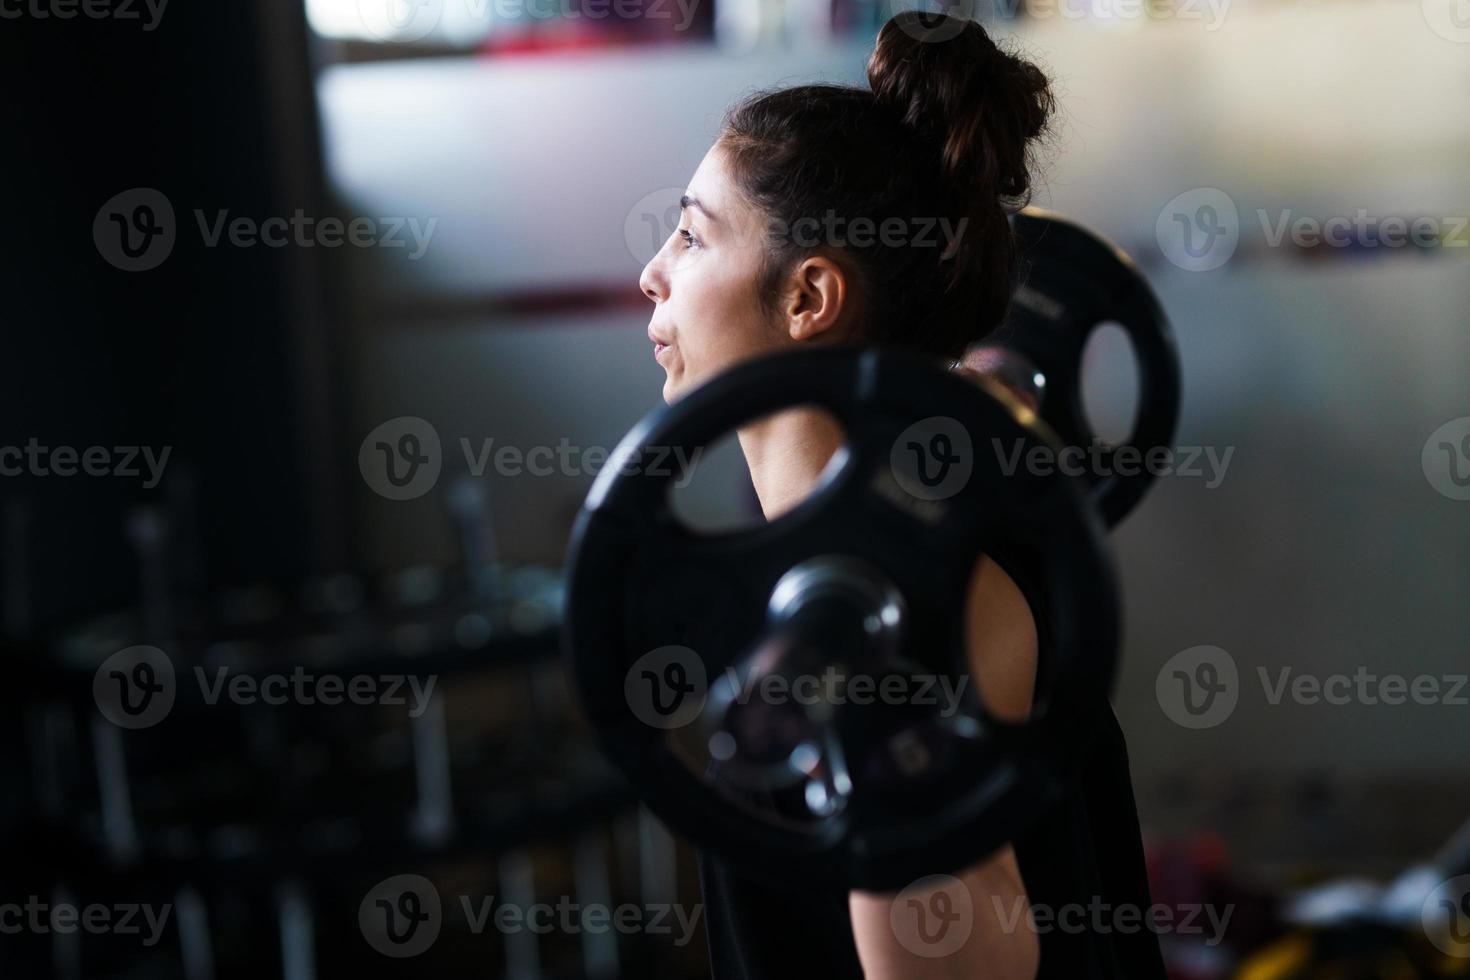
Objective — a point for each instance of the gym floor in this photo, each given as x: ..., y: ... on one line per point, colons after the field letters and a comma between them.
x: 513, y: 169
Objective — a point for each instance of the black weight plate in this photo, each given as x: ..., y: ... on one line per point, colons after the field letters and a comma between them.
x: 653, y: 604
x: 1070, y: 281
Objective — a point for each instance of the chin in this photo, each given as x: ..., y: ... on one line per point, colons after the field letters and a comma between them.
x: 676, y: 382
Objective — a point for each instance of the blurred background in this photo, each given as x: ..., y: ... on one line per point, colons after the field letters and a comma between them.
x: 463, y: 193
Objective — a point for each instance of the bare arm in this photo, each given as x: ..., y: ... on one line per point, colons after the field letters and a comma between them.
x: 906, y: 937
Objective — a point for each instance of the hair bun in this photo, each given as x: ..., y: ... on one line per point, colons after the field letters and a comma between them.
x: 948, y: 82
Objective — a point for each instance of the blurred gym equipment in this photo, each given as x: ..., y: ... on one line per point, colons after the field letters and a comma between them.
x: 241, y: 807
x: 1353, y: 929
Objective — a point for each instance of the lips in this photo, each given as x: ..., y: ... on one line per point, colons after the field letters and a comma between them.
x: 659, y: 346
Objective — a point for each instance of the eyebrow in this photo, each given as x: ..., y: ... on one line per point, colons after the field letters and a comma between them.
x: 687, y: 201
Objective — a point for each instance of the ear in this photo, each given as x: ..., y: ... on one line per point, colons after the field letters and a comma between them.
x: 817, y: 299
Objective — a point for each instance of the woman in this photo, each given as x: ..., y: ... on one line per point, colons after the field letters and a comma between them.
x: 829, y: 215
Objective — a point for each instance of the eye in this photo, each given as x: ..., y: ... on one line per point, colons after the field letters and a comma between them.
x: 689, y: 240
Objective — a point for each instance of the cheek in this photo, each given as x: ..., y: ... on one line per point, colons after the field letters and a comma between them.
x: 722, y: 319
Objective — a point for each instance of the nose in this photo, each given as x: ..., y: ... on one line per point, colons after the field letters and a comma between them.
x: 653, y: 281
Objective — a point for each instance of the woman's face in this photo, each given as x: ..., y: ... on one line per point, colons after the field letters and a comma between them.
x: 703, y: 281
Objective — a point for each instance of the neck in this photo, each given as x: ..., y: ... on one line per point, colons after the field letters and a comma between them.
x: 786, y: 453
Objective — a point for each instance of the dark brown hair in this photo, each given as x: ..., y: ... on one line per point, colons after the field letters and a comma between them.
x: 943, y: 133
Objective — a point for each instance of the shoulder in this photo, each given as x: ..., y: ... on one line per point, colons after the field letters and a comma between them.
x: 1001, y: 640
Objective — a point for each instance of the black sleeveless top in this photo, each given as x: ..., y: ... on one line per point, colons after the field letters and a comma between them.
x: 1086, y: 851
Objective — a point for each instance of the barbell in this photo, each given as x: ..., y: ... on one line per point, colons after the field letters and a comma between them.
x: 672, y: 632
x: 691, y: 651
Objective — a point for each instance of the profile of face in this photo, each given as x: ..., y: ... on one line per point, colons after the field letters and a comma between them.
x: 704, y: 283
